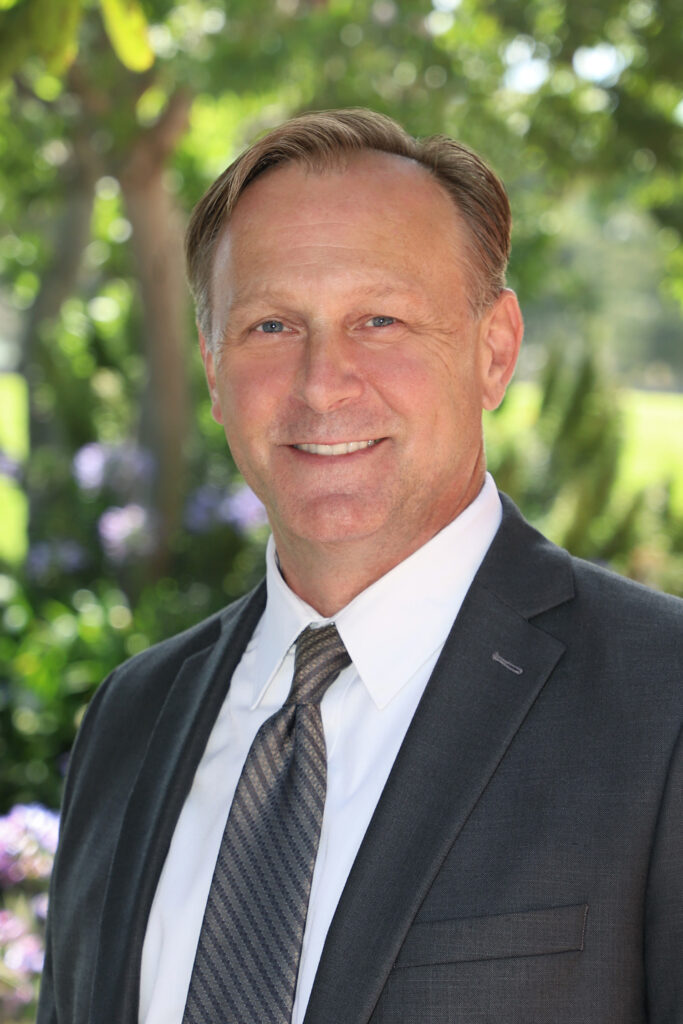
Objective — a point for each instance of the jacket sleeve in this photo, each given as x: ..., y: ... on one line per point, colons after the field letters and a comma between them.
x: 49, y: 1001
x: 47, y: 1011
x: 664, y: 904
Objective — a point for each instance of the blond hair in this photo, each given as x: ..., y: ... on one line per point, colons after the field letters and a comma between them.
x: 319, y: 141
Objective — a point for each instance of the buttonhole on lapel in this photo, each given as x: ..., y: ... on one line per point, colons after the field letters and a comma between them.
x: 506, y: 664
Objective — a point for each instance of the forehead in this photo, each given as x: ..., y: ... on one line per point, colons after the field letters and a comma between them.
x: 370, y: 183
x: 384, y: 212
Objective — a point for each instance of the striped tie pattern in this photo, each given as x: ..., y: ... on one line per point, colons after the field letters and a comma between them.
x: 247, y: 958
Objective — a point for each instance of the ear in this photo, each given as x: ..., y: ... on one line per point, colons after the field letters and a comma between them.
x: 209, y: 360
x: 502, y: 329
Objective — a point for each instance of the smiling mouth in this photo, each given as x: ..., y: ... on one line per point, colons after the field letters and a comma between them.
x: 342, y: 448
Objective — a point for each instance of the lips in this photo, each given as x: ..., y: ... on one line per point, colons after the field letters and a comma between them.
x: 341, y: 448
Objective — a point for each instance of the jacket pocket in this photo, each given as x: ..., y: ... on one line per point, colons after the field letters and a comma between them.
x: 531, y: 933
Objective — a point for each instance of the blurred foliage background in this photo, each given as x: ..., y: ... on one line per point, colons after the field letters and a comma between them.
x: 123, y: 518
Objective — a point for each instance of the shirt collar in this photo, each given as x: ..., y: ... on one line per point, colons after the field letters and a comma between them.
x: 399, y: 621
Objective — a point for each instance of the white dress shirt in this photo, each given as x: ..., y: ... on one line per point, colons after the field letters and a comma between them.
x: 394, y: 632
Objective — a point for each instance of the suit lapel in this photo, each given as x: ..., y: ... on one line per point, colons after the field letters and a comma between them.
x: 175, y: 748
x: 474, y: 704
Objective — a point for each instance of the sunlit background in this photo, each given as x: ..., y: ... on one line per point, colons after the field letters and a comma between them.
x: 123, y: 519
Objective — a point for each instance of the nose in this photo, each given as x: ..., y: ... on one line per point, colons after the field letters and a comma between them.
x: 329, y: 374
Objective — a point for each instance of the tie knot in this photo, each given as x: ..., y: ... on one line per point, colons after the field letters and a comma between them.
x: 320, y: 657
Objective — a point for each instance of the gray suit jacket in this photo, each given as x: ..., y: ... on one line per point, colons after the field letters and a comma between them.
x: 525, y: 861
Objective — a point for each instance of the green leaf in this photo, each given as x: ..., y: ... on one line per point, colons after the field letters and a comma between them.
x: 126, y: 27
x: 38, y: 28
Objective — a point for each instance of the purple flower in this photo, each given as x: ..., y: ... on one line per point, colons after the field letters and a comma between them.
x: 202, y: 509
x: 25, y: 955
x: 89, y: 465
x: 210, y: 506
x: 22, y: 954
x: 21, y: 994
x: 47, y: 557
x: 126, y: 532
x: 11, y: 927
x: 122, y: 467
x: 70, y: 555
x: 9, y: 467
x: 39, y: 560
x: 129, y: 466
x: 39, y: 906
x: 244, y: 509
x: 28, y: 840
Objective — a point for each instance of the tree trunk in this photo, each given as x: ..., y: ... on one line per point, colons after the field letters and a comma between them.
x: 71, y: 236
x: 157, y: 243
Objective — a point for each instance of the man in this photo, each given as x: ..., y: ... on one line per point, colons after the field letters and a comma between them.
x: 495, y: 745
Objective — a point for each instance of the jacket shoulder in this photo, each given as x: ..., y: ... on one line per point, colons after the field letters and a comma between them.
x: 126, y: 706
x: 534, y: 575
x: 626, y: 596
x: 178, y: 648
x: 142, y: 674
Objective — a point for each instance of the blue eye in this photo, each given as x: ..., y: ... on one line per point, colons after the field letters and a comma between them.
x: 381, y: 321
x: 271, y: 327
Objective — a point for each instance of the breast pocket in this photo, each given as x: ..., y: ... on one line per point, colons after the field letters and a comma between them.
x: 502, y: 936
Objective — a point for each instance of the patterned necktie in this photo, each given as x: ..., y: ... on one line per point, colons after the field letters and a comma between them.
x: 247, y: 958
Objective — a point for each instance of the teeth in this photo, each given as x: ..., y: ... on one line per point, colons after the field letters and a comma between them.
x: 345, y: 448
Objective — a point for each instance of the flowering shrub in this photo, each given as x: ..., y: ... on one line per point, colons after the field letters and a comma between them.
x: 46, y: 558
x: 28, y: 839
x: 210, y: 506
x: 126, y: 532
x: 121, y: 468
x: 9, y: 466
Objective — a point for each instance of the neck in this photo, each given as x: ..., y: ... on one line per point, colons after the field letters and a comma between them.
x: 330, y: 579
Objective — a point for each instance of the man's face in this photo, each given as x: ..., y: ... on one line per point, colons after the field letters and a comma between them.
x: 348, y: 370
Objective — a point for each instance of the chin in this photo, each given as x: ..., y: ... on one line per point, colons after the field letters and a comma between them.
x: 333, y: 521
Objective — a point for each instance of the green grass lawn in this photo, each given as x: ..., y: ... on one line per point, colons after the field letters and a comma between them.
x: 653, y: 450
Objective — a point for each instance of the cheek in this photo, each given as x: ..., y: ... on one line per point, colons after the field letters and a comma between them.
x: 447, y: 406
x: 423, y: 390
x: 249, y: 400
x: 401, y: 375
